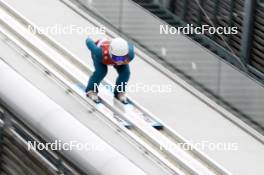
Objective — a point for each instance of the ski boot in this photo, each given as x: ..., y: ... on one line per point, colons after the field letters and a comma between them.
x: 121, y: 97
x: 93, y: 96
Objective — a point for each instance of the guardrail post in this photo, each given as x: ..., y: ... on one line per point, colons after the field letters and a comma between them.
x: 248, y: 24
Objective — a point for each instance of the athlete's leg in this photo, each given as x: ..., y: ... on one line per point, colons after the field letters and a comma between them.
x: 97, y: 76
x: 122, y: 79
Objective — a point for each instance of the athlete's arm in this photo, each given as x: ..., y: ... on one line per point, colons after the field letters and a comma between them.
x: 131, y: 53
x: 97, y: 51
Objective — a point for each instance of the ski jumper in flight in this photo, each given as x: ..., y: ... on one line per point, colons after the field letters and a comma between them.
x: 117, y: 53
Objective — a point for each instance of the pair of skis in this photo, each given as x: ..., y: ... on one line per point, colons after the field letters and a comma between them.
x: 129, y: 107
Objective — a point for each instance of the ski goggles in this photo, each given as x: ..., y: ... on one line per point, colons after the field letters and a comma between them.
x: 118, y: 59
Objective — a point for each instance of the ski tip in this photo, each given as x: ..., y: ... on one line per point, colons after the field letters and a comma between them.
x: 98, y: 104
x: 125, y: 103
x: 97, y: 101
x: 128, y: 126
x: 158, y: 126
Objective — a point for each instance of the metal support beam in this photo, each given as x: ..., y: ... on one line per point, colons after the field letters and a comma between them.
x: 184, y: 10
x: 248, y: 22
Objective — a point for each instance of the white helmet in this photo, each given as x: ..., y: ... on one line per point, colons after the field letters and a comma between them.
x: 119, y: 47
